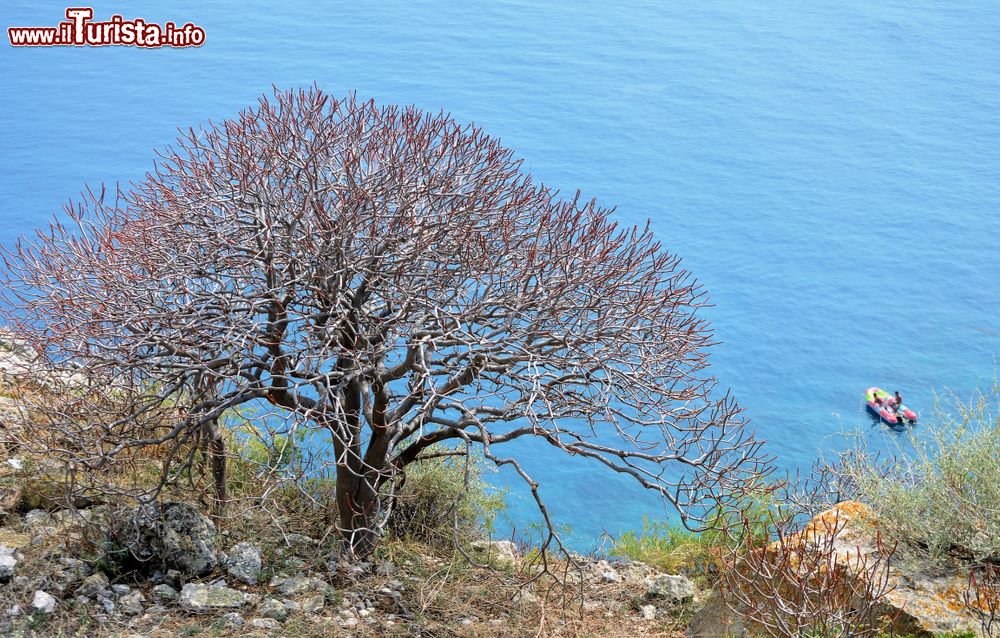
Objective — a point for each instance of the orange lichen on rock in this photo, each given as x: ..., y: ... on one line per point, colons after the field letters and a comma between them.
x: 927, y: 595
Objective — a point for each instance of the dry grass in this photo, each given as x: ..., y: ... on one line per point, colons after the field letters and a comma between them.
x: 444, y: 596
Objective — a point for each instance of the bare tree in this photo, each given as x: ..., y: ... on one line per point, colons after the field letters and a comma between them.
x: 388, y: 277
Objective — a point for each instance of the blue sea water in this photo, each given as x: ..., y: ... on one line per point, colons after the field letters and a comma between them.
x: 829, y: 170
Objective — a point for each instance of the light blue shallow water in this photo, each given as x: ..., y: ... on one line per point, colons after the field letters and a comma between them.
x: 829, y: 170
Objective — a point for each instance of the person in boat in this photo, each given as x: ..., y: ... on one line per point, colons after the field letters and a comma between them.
x: 898, y: 405
x: 877, y: 399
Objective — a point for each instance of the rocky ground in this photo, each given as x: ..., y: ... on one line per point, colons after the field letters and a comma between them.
x: 924, y: 597
x: 930, y: 595
x: 294, y: 586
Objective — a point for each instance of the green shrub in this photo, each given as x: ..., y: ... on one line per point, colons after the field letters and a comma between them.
x: 671, y: 548
x: 676, y: 549
x: 437, y: 499
x: 942, y: 497
x: 256, y: 453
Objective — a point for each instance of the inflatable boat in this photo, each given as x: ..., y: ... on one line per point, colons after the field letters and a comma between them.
x: 883, y: 405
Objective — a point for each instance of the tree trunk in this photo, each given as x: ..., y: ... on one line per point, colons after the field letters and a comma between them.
x: 357, y: 513
x: 217, y: 454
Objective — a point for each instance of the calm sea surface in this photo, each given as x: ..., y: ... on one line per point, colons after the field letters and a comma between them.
x: 829, y: 170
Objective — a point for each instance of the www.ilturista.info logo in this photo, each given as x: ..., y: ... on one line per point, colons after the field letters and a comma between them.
x: 79, y: 30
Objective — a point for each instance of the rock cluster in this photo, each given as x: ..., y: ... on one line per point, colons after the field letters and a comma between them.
x: 501, y: 553
x: 8, y: 563
x: 925, y: 597
x: 197, y: 597
x: 174, y: 535
x: 243, y: 562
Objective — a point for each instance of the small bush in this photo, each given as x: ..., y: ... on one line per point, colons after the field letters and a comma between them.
x: 676, y: 549
x: 438, y: 499
x: 671, y: 548
x: 944, y: 496
x: 256, y: 460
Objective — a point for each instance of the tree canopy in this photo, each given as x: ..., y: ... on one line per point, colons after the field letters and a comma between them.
x: 391, y: 277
